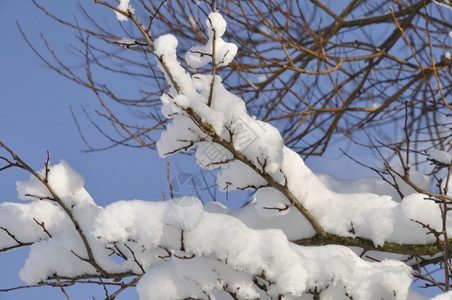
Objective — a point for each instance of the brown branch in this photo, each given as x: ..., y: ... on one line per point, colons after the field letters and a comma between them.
x: 133, y: 282
x: 406, y: 179
x: 19, y: 243
x: 271, y: 181
x: 66, y: 209
x: 135, y: 258
x: 429, y: 249
x: 42, y: 225
x: 214, y: 64
x: 122, y: 12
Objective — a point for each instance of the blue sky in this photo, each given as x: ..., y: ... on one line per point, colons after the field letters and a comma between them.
x: 35, y: 117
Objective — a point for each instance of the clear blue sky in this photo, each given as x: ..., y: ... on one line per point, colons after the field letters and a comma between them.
x: 35, y: 117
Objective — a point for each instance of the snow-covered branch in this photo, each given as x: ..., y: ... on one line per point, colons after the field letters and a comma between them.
x: 298, y: 237
x: 266, y: 161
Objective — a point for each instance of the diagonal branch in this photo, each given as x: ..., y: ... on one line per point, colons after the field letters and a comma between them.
x: 408, y: 249
x: 66, y: 209
x: 207, y: 128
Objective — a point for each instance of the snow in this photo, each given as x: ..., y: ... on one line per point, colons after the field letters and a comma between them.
x: 445, y: 296
x: 224, y: 246
x: 127, y: 42
x: 440, y: 156
x: 261, y: 78
x: 123, y: 6
x: 379, y: 218
x: 18, y: 219
x: 66, y: 182
x: 199, y: 56
x: 376, y: 105
x: 270, y: 203
x: 125, y: 219
x: 264, y: 30
x: 54, y: 257
x: 230, y: 249
x: 175, y: 280
x: 54, y: 254
x: 186, y: 212
x: 166, y: 45
x: 238, y: 176
x: 371, y: 214
x: 375, y: 185
x: 444, y: 3
x: 216, y: 243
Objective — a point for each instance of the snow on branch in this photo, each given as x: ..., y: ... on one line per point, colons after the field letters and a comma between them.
x: 227, y: 252
x: 180, y: 249
x: 161, y: 242
x: 252, y: 154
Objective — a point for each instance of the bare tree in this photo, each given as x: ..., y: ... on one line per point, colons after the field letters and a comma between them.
x: 317, y: 71
x: 374, y: 73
